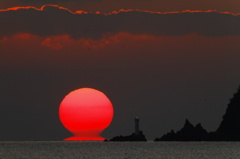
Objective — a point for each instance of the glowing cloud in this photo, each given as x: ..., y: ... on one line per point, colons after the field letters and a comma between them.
x: 52, y: 20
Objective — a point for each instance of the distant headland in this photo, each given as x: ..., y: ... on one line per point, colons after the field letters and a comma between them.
x: 229, y: 129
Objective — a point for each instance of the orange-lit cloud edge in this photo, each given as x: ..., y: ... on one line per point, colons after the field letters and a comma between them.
x: 113, y: 12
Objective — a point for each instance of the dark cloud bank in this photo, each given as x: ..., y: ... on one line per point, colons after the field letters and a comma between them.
x: 54, y: 21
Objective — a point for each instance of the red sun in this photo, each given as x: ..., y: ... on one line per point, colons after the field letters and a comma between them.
x: 86, y: 112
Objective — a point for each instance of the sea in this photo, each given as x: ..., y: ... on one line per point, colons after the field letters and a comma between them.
x: 118, y: 150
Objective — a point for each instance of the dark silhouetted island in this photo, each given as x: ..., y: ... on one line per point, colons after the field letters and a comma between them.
x: 187, y: 133
x: 229, y: 129
x: 137, y: 136
x: 133, y: 137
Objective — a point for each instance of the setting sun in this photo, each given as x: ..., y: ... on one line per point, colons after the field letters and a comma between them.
x: 86, y: 112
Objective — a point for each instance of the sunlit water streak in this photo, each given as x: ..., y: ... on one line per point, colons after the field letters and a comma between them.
x: 118, y: 150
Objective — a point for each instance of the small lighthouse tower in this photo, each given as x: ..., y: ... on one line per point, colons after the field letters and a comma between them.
x: 136, y: 126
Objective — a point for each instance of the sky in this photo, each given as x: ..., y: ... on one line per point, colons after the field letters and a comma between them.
x: 163, y: 61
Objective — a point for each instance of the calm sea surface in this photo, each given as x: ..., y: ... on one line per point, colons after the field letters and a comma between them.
x: 119, y: 150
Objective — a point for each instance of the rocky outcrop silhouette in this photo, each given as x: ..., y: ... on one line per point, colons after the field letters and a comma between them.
x: 229, y: 129
x: 137, y: 136
x: 133, y: 137
x: 187, y: 133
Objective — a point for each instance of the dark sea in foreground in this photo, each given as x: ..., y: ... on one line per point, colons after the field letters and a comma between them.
x: 118, y: 150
